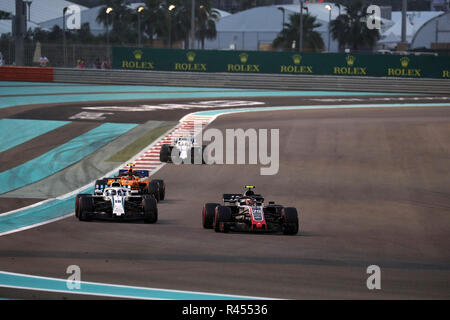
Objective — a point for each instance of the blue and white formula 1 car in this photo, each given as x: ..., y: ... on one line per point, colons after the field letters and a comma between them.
x: 183, y: 149
x: 116, y: 203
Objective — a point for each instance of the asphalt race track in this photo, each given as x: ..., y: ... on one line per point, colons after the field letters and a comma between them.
x: 371, y: 186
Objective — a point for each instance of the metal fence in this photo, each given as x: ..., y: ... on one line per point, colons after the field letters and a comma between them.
x: 57, y: 54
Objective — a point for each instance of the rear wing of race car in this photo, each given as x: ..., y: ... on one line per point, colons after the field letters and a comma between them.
x: 140, y: 173
x: 233, y: 197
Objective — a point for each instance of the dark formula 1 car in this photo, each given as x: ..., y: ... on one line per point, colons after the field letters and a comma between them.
x: 247, y: 212
x: 116, y: 202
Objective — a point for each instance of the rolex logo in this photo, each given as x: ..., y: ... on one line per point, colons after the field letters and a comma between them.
x: 350, y: 60
x: 138, y: 54
x: 190, y: 56
x: 405, y: 62
x: 244, y: 57
x: 297, y: 58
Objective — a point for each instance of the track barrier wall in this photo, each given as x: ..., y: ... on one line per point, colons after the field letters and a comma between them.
x: 331, y: 64
x: 256, y: 70
x: 12, y: 73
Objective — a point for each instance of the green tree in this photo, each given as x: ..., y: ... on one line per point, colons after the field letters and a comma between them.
x: 350, y: 29
x: 155, y: 19
x: 165, y: 23
x: 120, y: 22
x: 5, y: 15
x: 83, y: 35
x: 312, y: 40
x: 159, y: 21
x: 206, y: 18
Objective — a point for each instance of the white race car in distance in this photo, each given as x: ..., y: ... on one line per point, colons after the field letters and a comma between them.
x: 183, y: 149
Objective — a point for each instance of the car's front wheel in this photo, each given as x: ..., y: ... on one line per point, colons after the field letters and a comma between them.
x: 289, y: 217
x: 153, y: 189
x: 86, y: 208
x: 77, y: 203
x: 162, y: 188
x: 150, y: 209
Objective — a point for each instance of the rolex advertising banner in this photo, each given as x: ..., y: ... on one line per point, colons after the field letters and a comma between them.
x: 407, y: 66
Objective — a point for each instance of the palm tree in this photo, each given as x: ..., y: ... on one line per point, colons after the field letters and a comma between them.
x: 158, y: 20
x: 4, y: 15
x: 312, y: 39
x: 350, y: 29
x: 206, y: 23
x: 174, y: 24
x: 120, y: 19
x: 154, y: 18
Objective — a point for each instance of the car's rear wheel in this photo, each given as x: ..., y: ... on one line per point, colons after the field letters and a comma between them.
x: 222, y: 218
x: 153, y: 189
x: 164, y: 153
x: 208, y: 213
x: 197, y: 151
x: 86, y: 207
x: 204, y: 159
x: 150, y: 209
x: 77, y: 203
x: 289, y: 217
x: 162, y: 188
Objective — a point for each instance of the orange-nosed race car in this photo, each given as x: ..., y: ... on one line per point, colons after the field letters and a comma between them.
x: 135, y: 180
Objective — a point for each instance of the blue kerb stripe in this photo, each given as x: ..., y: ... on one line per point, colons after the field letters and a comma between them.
x: 47, y: 211
x: 6, y: 102
x: 225, y: 111
x: 61, y: 157
x: 110, y: 88
x: 99, y: 289
x: 17, y: 131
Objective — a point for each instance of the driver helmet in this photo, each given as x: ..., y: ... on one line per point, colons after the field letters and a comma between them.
x: 249, y: 193
x: 248, y: 201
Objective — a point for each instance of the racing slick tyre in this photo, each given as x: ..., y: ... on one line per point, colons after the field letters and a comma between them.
x: 164, y: 153
x: 86, y: 206
x: 153, y: 189
x: 221, y: 218
x: 208, y: 213
x: 101, y: 184
x: 77, y: 203
x: 289, y: 217
x: 199, y: 152
x: 204, y: 159
x: 150, y: 209
x: 162, y: 188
